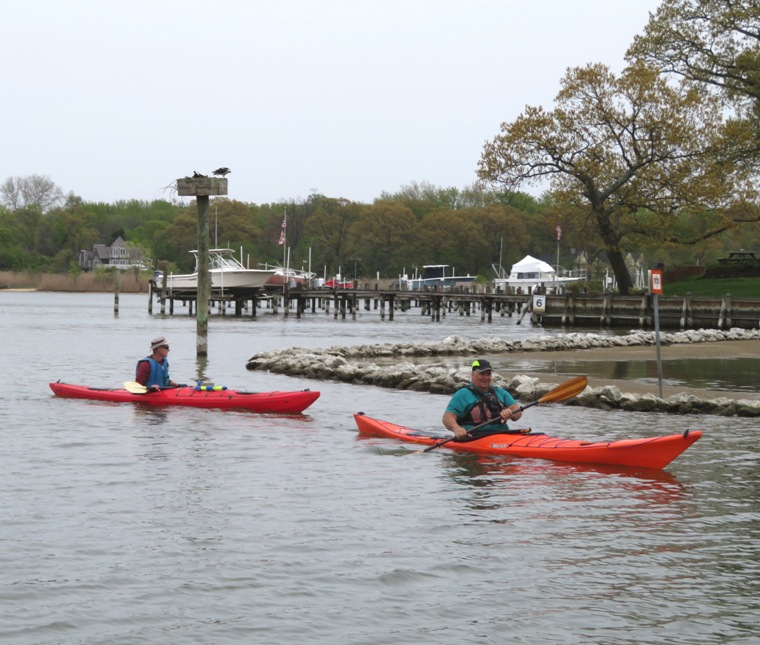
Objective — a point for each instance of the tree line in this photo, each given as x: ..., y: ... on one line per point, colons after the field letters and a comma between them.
x: 421, y: 224
x: 660, y: 160
x: 469, y: 229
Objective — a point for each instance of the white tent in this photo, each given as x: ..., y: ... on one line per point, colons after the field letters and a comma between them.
x: 529, y: 268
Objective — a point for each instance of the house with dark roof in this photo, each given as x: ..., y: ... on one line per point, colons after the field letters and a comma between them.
x: 117, y: 256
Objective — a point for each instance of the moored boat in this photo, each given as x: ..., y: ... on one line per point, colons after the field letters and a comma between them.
x: 530, y: 273
x: 434, y: 276
x: 271, y: 402
x: 649, y: 452
x: 287, y: 277
x: 225, y: 270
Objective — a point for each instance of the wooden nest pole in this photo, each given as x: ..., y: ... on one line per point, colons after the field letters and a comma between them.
x: 202, y: 188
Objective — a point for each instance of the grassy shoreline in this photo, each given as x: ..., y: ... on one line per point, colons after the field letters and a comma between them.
x: 128, y: 282
x: 748, y: 287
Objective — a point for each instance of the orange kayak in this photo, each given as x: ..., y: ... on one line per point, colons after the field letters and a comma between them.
x: 278, y: 402
x: 650, y: 452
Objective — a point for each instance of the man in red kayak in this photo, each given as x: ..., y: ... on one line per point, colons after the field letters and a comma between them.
x: 479, y: 401
x: 153, y: 371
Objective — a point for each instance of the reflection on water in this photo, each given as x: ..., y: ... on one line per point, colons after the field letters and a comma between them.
x: 734, y: 374
x: 151, y: 415
x: 201, y: 363
x: 479, y: 471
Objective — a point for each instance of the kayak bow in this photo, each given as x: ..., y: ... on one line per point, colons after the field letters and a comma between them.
x: 650, y: 452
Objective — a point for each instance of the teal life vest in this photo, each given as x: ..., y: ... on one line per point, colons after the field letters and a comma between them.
x: 159, y: 373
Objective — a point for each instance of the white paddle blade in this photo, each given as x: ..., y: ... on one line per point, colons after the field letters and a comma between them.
x: 135, y: 388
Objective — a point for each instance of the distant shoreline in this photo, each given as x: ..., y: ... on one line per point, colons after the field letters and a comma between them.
x: 92, y: 282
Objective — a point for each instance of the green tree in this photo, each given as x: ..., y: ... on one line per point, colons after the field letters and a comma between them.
x: 11, y: 252
x: 174, y: 243
x: 423, y: 198
x: 70, y: 229
x: 29, y: 225
x: 715, y: 44
x: 231, y: 224
x: 448, y: 237
x: 328, y: 230
x: 521, y: 201
x: 616, y: 147
x: 712, y: 42
x: 382, y: 235
x: 503, y: 237
x: 471, y: 240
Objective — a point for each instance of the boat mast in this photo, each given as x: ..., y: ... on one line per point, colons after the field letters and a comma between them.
x: 284, y: 237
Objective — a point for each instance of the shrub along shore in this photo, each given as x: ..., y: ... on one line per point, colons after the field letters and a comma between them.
x: 402, y: 366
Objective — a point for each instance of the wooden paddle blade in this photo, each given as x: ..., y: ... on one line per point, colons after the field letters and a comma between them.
x: 566, y: 390
x: 135, y: 388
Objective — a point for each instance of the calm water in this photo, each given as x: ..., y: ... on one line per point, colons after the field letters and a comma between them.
x: 719, y: 374
x: 126, y: 525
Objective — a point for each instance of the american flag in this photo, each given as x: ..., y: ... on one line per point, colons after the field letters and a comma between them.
x: 282, y: 231
x: 559, y: 232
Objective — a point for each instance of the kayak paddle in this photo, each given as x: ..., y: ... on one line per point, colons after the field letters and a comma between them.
x: 134, y: 387
x: 562, y: 392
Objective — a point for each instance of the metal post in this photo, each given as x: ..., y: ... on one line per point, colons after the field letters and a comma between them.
x: 116, y: 279
x: 657, y: 341
x: 655, y: 286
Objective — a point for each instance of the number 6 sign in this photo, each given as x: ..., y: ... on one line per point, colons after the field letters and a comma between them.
x: 539, y: 304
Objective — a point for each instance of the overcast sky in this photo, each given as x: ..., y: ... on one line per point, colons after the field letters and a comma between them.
x: 115, y: 99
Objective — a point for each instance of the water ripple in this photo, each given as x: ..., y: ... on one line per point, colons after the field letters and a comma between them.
x: 124, y: 524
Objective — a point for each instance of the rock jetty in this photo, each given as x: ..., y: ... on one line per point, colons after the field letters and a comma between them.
x: 391, y: 365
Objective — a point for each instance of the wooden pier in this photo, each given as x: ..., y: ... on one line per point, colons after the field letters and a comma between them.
x: 675, y: 312
x: 346, y: 302
x: 566, y: 310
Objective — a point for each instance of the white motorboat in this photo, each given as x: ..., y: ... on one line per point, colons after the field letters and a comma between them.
x: 225, y: 270
x: 529, y: 273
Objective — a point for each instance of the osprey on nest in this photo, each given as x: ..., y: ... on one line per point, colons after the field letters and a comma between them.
x: 197, y: 175
x: 222, y: 172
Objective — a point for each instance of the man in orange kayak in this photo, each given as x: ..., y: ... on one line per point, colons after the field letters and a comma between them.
x: 153, y: 371
x: 479, y: 401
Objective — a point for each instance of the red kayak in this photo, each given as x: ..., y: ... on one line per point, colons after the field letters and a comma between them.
x: 282, y: 402
x: 651, y: 452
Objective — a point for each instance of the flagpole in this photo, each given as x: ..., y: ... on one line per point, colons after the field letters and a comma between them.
x: 556, y: 272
